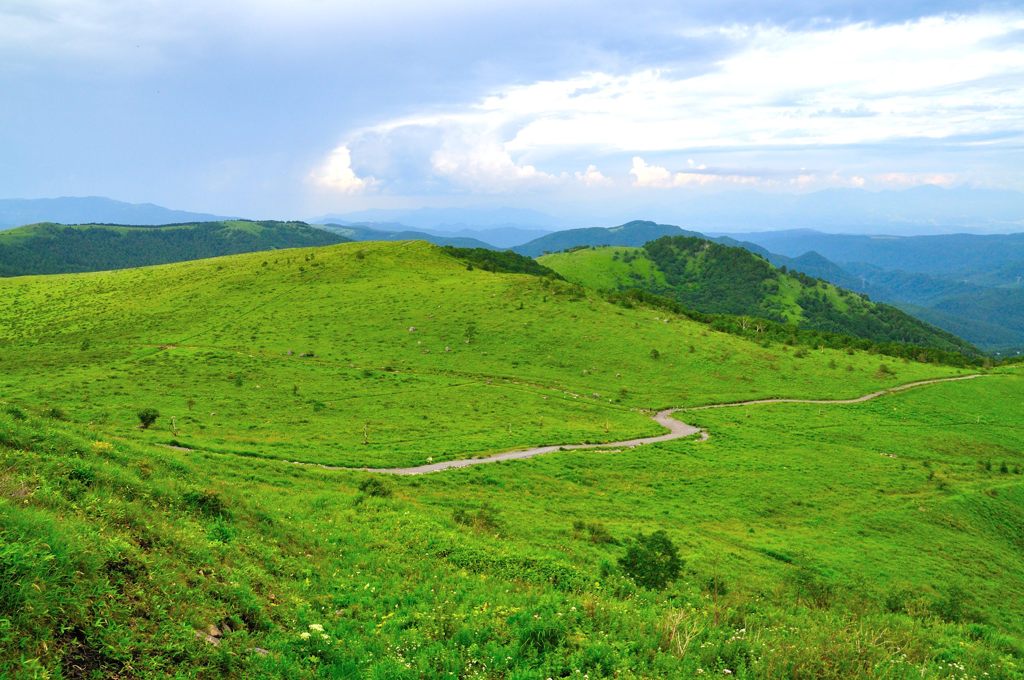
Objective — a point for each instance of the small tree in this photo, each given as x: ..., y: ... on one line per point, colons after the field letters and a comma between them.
x: 652, y: 560
x: 147, y: 417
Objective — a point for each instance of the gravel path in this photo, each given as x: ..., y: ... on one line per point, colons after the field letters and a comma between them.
x: 676, y: 430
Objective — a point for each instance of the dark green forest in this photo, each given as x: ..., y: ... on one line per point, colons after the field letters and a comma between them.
x: 57, y: 249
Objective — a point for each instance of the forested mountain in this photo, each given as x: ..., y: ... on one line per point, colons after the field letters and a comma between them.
x: 718, y: 279
x: 400, y: 232
x: 57, y: 248
x: 634, y: 233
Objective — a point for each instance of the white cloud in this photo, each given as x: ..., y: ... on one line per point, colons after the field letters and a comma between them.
x: 911, y: 179
x: 337, y: 174
x: 656, y: 176
x: 478, y: 160
x: 592, y: 177
x: 942, y: 79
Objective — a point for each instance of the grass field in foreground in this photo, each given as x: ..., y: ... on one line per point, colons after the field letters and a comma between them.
x: 378, y: 354
x: 877, y: 540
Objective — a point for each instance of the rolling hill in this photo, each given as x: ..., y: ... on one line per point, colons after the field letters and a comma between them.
x: 718, y: 279
x: 375, y: 231
x: 58, y: 248
x: 635, y: 233
x: 197, y: 546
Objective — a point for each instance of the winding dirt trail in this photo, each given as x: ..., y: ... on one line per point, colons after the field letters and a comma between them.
x: 676, y: 430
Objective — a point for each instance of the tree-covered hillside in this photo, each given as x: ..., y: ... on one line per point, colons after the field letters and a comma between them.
x: 49, y: 248
x: 717, y: 279
x: 634, y: 233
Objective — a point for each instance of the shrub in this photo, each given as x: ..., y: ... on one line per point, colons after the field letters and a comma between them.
x: 15, y: 412
x: 484, y: 519
x: 207, y: 503
x: 371, y: 486
x: 655, y: 354
x: 953, y: 605
x: 597, y: 532
x: 812, y: 587
x: 652, y: 560
x: 147, y: 417
x: 55, y: 413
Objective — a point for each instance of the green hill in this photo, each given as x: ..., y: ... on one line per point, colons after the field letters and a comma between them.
x: 196, y: 547
x: 635, y: 233
x: 400, y: 232
x: 294, y: 354
x: 49, y: 248
x: 718, y: 279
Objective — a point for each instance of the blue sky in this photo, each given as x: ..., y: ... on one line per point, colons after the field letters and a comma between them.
x: 275, y: 109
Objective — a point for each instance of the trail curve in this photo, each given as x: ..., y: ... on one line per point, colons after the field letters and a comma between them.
x: 676, y: 430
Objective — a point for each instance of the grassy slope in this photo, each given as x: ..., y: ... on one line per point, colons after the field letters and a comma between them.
x: 839, y: 534
x: 765, y: 292
x: 409, y: 349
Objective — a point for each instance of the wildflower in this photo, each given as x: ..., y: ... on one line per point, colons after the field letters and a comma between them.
x: 304, y: 635
x: 325, y: 637
x: 316, y: 627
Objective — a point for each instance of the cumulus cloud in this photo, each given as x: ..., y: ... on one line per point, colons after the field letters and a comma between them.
x: 941, y: 79
x: 592, y: 177
x: 912, y: 179
x: 337, y: 174
x: 656, y: 176
x: 480, y: 161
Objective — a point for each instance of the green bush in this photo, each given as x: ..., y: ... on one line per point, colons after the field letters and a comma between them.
x: 147, y: 417
x: 484, y: 519
x: 652, y: 560
x: 596, y: 532
x: 372, y: 486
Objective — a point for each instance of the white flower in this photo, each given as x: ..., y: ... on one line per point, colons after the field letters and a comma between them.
x: 316, y: 627
x: 304, y: 635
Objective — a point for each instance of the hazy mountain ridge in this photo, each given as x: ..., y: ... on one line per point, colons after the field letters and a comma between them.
x: 377, y: 231
x: 16, y: 212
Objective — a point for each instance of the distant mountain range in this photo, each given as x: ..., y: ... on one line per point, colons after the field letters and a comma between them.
x: 971, y: 285
x: 15, y: 212
x: 920, y: 210
x: 501, y: 227
x: 377, y: 231
x: 968, y: 284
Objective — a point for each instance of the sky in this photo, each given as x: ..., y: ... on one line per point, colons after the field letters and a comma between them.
x: 266, y: 108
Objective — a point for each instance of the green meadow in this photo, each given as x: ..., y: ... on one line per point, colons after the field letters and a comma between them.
x: 879, y: 539
x: 380, y: 354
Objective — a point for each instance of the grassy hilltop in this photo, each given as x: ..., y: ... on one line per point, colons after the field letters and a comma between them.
x: 307, y: 354
x: 879, y: 539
